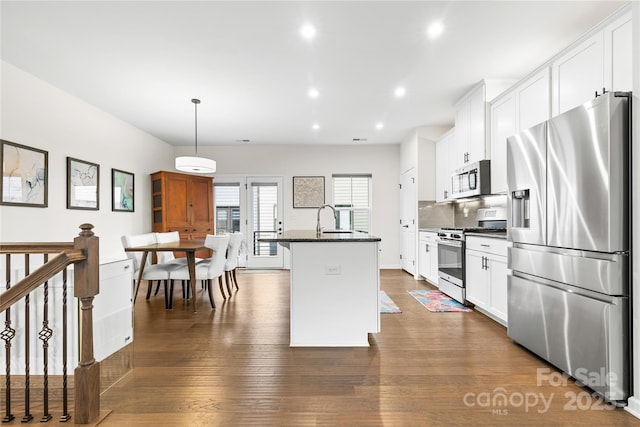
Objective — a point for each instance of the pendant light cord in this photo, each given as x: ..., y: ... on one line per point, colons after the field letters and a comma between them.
x: 195, y: 103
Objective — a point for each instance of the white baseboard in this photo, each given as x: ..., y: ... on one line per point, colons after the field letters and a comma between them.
x: 633, y: 406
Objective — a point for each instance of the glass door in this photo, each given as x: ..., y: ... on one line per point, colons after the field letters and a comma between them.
x: 264, y: 219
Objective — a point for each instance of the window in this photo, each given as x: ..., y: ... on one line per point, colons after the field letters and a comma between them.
x: 352, y: 200
x: 227, y: 201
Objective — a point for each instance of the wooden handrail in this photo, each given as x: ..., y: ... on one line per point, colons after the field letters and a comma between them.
x: 43, y: 273
x: 35, y: 247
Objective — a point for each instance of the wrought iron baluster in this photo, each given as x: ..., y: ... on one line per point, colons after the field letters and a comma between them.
x: 27, y: 411
x: 7, y: 335
x: 45, y: 335
x: 65, y: 412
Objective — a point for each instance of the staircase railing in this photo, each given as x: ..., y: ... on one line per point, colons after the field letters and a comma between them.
x: 83, y: 254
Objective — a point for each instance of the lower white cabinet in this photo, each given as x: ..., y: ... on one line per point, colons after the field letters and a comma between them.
x: 428, y: 256
x: 486, y: 276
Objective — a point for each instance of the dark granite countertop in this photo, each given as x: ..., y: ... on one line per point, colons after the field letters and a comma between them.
x: 312, y: 236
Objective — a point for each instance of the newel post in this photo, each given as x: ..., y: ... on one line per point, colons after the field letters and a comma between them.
x: 86, y: 285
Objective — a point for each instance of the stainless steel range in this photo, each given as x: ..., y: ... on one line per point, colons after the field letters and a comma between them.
x: 451, y: 250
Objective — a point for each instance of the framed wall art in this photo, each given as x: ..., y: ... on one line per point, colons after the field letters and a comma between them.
x: 83, y: 184
x: 25, y: 177
x: 122, y: 191
x: 308, y: 191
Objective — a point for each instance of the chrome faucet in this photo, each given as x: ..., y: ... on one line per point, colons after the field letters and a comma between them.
x: 335, y: 216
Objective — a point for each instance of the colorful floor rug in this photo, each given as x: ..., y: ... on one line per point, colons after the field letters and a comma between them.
x: 387, y: 305
x: 436, y: 301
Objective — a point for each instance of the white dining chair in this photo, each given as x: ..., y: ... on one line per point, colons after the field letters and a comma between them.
x: 165, y: 257
x: 209, y: 268
x: 152, y: 272
x: 231, y: 265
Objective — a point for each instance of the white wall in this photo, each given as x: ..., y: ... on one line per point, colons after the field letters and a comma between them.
x: 38, y: 115
x: 382, y: 161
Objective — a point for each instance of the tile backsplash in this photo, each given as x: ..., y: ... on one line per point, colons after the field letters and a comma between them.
x: 455, y: 214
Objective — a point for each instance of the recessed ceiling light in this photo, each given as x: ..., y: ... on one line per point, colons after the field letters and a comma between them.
x: 435, y: 29
x: 308, y: 31
x: 399, y: 92
x: 313, y: 92
x: 379, y: 125
x: 315, y: 126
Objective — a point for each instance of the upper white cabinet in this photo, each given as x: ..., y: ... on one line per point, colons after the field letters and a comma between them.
x: 471, y: 118
x: 443, y: 165
x: 469, y: 143
x: 524, y: 106
x: 602, y: 61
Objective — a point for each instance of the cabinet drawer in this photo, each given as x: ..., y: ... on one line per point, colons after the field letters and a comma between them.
x: 487, y: 245
x: 428, y: 236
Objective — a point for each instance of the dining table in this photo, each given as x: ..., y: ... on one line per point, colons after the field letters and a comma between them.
x: 189, y: 247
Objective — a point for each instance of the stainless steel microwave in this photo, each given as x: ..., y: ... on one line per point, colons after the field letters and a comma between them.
x: 471, y: 180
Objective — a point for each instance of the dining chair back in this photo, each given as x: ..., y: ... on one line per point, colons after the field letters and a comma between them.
x: 129, y: 241
x: 167, y: 237
x: 209, y: 268
x: 232, y: 260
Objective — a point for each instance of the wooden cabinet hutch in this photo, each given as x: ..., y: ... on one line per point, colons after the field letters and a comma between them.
x: 184, y: 203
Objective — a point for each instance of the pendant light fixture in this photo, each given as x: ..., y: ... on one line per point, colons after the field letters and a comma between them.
x: 195, y: 164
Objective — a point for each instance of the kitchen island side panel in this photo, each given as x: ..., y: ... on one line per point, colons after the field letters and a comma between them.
x: 334, y: 293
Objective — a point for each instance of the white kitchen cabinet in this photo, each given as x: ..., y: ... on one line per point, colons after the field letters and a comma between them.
x: 503, y: 125
x: 443, y: 169
x: 428, y: 256
x: 471, y: 122
x: 602, y: 61
x: 523, y: 106
x: 486, y: 276
x: 469, y: 145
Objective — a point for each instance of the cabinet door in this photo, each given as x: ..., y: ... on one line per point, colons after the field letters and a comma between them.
x: 443, y: 172
x: 497, y: 268
x: 476, y: 279
x: 201, y: 206
x: 424, y: 261
x: 533, y: 101
x: 176, y: 204
x: 433, y: 261
x: 618, y: 54
x: 460, y: 143
x: 578, y: 74
x: 503, y: 125
x: 476, y: 148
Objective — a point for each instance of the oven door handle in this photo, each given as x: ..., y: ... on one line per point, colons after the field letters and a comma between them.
x: 449, y: 242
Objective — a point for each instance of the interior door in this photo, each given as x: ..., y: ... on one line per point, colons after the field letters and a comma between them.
x: 408, y: 221
x: 264, y: 219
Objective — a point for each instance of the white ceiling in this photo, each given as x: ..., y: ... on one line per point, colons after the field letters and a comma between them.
x: 144, y: 61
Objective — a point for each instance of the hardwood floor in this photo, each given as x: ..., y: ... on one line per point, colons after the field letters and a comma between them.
x: 233, y: 366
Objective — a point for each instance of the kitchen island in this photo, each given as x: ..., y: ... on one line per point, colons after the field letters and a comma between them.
x: 335, y: 284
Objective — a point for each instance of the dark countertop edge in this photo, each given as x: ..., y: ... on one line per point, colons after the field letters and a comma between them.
x: 490, y: 235
x: 309, y: 236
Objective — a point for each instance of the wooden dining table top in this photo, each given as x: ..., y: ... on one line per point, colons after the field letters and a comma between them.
x: 182, y: 245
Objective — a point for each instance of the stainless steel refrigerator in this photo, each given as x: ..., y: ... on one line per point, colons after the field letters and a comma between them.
x: 569, y: 221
